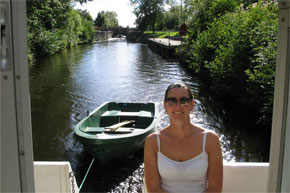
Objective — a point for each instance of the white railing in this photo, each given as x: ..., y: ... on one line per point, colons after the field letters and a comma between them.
x: 244, y: 177
x: 238, y: 177
x: 54, y: 177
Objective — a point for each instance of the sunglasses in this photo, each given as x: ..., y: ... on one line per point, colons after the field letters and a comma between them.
x: 171, y: 101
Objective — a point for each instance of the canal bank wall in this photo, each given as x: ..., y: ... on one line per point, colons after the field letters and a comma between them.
x: 103, y: 36
x: 134, y: 36
x: 165, y: 47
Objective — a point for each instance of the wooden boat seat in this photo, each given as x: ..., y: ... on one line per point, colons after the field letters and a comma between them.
x: 94, y: 129
x: 120, y: 130
x: 142, y: 118
x: 110, y: 113
x: 145, y: 114
x: 129, y: 114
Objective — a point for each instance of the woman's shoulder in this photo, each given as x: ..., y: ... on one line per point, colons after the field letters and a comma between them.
x: 151, y: 141
x: 211, y: 136
x: 212, y: 139
x: 210, y: 133
x: 152, y: 138
x: 205, y: 131
x: 152, y: 135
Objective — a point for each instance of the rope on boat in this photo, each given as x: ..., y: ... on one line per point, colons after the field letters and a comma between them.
x: 87, y: 173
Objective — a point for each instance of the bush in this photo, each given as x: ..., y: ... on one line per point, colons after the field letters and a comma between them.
x: 237, y: 54
x: 44, y: 43
x: 54, y: 25
x: 205, y: 11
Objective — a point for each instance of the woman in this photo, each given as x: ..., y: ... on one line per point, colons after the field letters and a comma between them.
x: 182, y: 157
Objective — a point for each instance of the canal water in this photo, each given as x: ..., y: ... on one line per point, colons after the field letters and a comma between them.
x: 64, y: 86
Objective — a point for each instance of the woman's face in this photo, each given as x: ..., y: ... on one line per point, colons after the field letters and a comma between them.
x: 177, y: 104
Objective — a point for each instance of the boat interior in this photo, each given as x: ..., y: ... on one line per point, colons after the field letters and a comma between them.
x: 127, y: 115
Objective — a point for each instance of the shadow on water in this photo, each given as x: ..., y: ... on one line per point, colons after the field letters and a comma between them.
x: 247, y: 140
x: 117, y: 175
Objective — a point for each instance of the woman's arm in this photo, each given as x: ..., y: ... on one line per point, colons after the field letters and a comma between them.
x: 152, y: 177
x: 215, y: 164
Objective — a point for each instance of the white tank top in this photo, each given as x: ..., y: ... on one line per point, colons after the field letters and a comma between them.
x: 185, y: 176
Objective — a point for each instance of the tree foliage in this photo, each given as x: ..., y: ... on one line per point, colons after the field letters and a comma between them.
x: 147, y: 12
x: 205, y: 11
x: 106, y: 19
x: 236, y: 53
x: 53, y: 25
x: 169, y: 20
x: 88, y: 31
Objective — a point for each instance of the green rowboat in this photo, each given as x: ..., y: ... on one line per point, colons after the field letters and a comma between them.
x: 117, y: 129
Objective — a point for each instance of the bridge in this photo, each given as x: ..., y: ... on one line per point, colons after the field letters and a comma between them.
x: 105, y: 34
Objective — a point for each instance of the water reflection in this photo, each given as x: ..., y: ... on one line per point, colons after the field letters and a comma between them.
x: 64, y: 86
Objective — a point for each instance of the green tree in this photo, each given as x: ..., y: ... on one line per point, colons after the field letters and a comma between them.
x: 106, y: 19
x: 72, y: 29
x: 147, y: 12
x: 53, y: 25
x: 88, y: 31
x: 44, y: 21
x: 246, y: 3
x: 235, y: 54
x: 205, y: 11
x: 169, y: 19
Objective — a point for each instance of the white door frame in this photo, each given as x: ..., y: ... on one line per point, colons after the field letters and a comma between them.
x: 17, y: 174
x: 279, y: 151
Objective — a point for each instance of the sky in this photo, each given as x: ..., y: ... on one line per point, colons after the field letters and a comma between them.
x: 123, y: 9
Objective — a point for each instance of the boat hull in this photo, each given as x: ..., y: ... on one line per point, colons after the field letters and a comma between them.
x: 106, y: 152
x: 105, y: 146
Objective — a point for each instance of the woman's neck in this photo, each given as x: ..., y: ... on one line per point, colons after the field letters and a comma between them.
x: 182, y: 129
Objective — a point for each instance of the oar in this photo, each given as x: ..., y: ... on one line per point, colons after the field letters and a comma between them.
x: 118, y: 125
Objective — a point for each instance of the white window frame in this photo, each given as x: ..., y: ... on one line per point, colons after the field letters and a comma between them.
x: 17, y: 172
x: 279, y: 151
